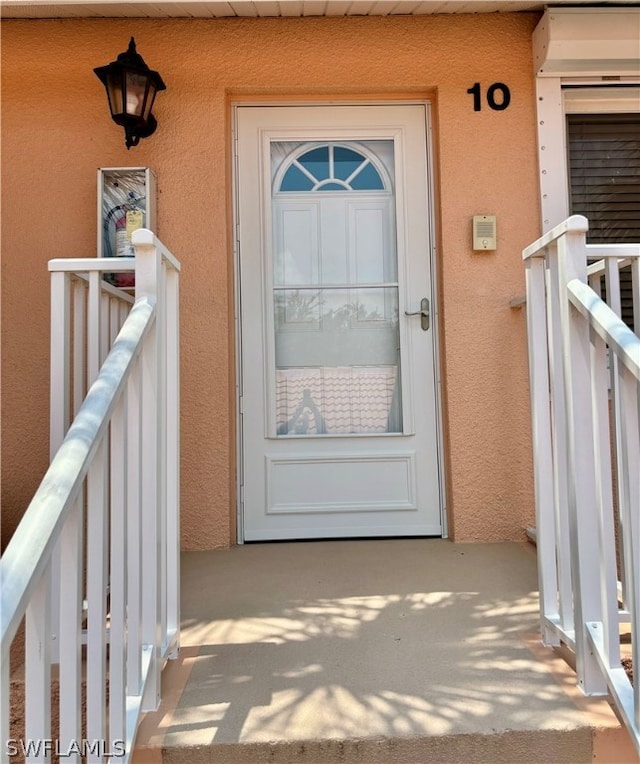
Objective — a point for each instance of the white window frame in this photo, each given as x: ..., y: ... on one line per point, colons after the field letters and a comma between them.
x: 570, y: 81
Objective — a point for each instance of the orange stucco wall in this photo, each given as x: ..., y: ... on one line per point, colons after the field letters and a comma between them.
x: 56, y: 131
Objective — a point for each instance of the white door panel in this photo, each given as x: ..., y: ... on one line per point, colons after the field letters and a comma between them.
x: 339, y: 434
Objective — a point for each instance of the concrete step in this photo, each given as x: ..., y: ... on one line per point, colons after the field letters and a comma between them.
x: 555, y: 747
x: 375, y: 652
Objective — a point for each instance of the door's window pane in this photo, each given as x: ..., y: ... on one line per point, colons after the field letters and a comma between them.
x: 367, y: 179
x: 337, y: 361
x: 295, y: 180
x: 346, y: 162
x: 343, y: 400
x: 337, y: 349
x: 316, y: 162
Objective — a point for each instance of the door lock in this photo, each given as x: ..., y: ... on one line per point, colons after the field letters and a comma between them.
x: 424, y: 313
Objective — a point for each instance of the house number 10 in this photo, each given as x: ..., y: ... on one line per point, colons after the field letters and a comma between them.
x: 498, y: 96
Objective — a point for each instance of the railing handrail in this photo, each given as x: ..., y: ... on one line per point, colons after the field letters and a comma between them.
x: 599, y: 267
x: 573, y: 224
x: 607, y: 324
x: 580, y: 224
x: 30, y: 547
x: 80, y: 265
x: 612, y: 250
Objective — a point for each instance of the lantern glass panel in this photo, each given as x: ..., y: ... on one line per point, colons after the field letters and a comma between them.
x: 114, y: 91
x: 151, y: 97
x: 136, y: 91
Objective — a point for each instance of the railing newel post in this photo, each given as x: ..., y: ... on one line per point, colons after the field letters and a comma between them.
x: 148, y: 264
x: 583, y: 524
x: 59, y: 414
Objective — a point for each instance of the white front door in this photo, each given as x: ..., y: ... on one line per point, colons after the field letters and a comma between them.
x: 338, y: 398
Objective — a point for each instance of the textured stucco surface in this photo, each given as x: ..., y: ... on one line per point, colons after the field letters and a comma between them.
x: 56, y: 132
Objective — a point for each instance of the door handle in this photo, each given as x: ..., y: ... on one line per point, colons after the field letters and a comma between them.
x: 424, y: 313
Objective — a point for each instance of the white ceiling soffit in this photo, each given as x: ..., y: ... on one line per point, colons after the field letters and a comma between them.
x: 588, y: 42
x: 255, y: 8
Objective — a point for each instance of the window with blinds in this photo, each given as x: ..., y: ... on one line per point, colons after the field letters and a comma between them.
x: 604, y: 171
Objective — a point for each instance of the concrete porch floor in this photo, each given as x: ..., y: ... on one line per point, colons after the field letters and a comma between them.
x: 377, y: 652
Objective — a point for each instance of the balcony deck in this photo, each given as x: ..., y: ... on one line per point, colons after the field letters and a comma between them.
x: 376, y: 652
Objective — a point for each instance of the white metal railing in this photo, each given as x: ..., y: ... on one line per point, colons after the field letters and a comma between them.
x: 94, y: 564
x: 585, y: 388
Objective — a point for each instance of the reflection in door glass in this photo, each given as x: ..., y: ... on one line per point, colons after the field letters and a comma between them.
x: 335, y: 290
x: 337, y: 361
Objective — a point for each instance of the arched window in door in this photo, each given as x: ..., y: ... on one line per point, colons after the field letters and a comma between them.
x: 331, y: 167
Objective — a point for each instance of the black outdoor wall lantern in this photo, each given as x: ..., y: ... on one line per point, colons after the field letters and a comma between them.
x: 131, y: 88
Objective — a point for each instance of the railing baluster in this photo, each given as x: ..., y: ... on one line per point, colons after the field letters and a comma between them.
x: 150, y: 521
x: 161, y: 360
x: 79, y: 344
x: 118, y: 576
x: 604, y: 497
x: 134, y: 543
x: 96, y: 597
x: 5, y: 699
x: 60, y: 358
x: 612, y: 282
x: 559, y: 434
x: 37, y: 679
x: 172, y: 370
x: 635, y: 292
x: 114, y: 319
x: 543, y: 466
x: 93, y: 327
x: 71, y: 589
x: 124, y: 309
x: 105, y: 326
x: 629, y: 477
